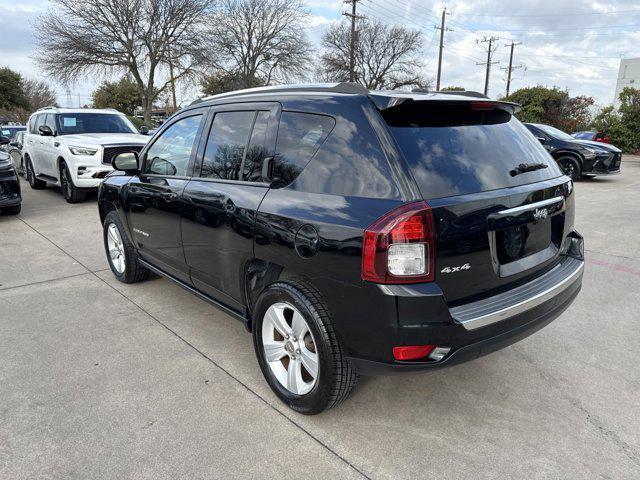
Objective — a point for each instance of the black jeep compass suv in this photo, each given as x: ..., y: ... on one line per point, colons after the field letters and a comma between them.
x: 351, y: 231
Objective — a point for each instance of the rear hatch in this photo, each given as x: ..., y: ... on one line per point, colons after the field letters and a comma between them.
x: 501, y: 206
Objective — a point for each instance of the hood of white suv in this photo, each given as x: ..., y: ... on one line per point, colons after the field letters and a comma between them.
x: 104, y: 139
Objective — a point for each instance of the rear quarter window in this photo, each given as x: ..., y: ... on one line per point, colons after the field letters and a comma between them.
x: 299, y: 137
x: 454, y: 150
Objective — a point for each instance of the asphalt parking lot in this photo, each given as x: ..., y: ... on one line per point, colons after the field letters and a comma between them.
x: 103, y: 380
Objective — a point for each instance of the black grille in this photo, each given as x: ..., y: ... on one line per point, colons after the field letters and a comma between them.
x: 8, y: 188
x: 110, y: 152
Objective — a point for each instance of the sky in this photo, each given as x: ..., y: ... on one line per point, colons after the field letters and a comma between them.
x: 572, y: 44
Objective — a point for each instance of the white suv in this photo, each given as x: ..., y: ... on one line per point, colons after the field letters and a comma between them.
x: 73, y: 148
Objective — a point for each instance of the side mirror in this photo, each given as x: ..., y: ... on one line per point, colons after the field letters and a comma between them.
x: 45, y: 131
x: 144, y: 130
x: 542, y: 140
x: 125, y: 162
x: 4, y: 140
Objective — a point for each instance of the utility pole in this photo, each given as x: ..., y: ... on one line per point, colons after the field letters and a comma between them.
x: 352, y: 46
x: 490, y: 49
x: 442, y: 30
x: 511, y: 68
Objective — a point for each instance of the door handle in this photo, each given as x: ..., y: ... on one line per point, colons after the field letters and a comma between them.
x: 168, y: 196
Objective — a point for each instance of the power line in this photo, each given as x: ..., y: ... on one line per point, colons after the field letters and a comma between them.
x: 525, y: 15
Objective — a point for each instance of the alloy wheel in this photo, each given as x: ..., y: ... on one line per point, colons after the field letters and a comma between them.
x: 569, y: 169
x: 289, y: 348
x: 65, y: 182
x: 116, y: 248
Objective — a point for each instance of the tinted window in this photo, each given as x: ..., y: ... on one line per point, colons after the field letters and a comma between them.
x: 299, y: 136
x: 226, y: 144
x: 70, y: 123
x: 170, y: 153
x: 257, y: 150
x: 456, y: 150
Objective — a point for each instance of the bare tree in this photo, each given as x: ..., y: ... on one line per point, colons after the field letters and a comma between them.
x: 260, y: 41
x: 39, y: 94
x: 385, y: 57
x: 139, y: 37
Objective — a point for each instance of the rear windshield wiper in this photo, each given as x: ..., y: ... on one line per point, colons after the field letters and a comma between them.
x: 527, y: 167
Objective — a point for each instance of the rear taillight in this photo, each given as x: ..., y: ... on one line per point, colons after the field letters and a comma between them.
x: 399, y: 247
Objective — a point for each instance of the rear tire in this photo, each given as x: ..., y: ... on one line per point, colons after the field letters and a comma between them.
x: 334, y: 378
x: 571, y: 167
x: 30, y: 175
x: 121, y: 254
x: 70, y: 192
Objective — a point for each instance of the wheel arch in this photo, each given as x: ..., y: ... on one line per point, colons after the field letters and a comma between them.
x: 259, y: 275
x: 568, y: 153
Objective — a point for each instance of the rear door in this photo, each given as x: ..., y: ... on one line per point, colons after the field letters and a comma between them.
x: 221, y: 200
x: 154, y: 195
x: 501, y: 205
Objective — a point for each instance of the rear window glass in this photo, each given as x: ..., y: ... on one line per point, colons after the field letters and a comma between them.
x: 299, y: 136
x: 454, y: 150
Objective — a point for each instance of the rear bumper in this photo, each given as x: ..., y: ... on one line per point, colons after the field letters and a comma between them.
x: 528, y: 324
x: 482, y: 327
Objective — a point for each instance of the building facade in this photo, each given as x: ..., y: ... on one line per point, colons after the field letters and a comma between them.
x: 628, y: 76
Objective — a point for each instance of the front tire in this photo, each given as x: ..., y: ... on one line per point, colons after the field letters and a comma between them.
x: 571, y: 167
x: 30, y: 175
x: 70, y: 192
x: 298, y: 351
x: 121, y: 254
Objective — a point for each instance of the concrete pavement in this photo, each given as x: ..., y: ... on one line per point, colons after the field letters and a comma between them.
x: 104, y: 380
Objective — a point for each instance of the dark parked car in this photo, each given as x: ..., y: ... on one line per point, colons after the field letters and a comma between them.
x: 15, y: 151
x: 578, y: 158
x: 351, y: 231
x: 10, y: 132
x: 10, y: 199
x: 593, y: 136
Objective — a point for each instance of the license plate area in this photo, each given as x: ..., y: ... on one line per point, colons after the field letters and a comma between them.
x: 514, y: 243
x: 524, y: 237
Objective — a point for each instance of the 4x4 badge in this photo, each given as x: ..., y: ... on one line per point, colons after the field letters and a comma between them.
x: 466, y: 266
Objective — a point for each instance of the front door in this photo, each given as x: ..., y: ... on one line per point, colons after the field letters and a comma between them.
x: 221, y: 200
x: 153, y: 196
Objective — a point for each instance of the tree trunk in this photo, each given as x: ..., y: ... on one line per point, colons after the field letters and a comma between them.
x: 147, y: 106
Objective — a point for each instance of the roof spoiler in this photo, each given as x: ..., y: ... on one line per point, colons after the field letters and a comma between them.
x: 463, y: 93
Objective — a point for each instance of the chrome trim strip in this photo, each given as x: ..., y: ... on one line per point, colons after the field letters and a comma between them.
x: 472, y: 315
x: 525, y: 208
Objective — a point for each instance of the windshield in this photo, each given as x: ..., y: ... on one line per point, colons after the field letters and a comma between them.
x: 455, y: 150
x: 554, y: 132
x: 72, y: 123
x: 584, y: 135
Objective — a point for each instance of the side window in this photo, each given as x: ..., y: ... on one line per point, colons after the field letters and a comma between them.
x: 50, y: 121
x: 225, y: 145
x: 39, y: 121
x: 32, y: 124
x: 257, y: 150
x: 170, y: 153
x: 299, y: 136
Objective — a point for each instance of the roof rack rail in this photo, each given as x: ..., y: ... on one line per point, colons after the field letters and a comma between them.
x: 463, y: 93
x: 52, y: 107
x: 342, y: 87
